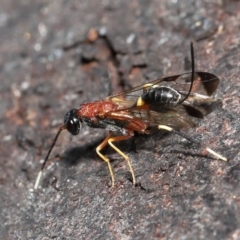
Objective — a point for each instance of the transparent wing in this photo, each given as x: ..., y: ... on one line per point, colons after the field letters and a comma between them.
x: 204, y: 85
x: 176, y: 118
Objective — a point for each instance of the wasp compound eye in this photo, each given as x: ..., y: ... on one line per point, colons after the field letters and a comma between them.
x: 72, y: 123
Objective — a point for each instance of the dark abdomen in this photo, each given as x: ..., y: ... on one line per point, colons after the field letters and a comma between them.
x: 164, y: 96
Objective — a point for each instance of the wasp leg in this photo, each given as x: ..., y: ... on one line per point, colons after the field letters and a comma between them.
x: 217, y: 155
x: 120, y: 138
x: 104, y: 158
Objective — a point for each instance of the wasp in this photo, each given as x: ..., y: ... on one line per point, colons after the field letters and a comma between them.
x: 169, y: 103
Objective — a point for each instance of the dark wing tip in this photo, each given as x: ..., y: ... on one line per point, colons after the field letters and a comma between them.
x: 193, y: 112
x: 209, y: 81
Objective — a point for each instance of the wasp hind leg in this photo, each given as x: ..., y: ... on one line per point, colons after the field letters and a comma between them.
x: 120, y: 138
x: 217, y: 155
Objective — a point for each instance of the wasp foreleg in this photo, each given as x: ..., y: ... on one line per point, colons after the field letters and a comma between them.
x: 104, y: 158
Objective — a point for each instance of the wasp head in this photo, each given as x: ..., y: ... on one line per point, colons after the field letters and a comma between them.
x: 72, y: 122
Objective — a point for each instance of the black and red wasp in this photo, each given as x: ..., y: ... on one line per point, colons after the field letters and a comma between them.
x: 169, y: 103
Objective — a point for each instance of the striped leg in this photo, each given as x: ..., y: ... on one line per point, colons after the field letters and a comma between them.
x: 217, y: 155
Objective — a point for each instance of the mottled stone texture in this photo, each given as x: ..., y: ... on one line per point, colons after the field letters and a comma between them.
x: 55, y: 55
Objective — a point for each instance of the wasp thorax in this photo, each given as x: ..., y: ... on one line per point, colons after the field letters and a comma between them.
x: 72, y: 122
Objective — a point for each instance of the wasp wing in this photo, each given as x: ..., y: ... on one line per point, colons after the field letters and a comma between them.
x: 204, y: 84
x: 197, y: 104
x: 173, y: 117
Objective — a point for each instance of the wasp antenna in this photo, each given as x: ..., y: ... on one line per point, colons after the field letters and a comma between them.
x: 193, y: 67
x: 46, y: 158
x: 38, y: 179
x: 193, y: 71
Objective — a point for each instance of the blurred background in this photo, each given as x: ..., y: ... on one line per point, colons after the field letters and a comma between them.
x: 56, y: 55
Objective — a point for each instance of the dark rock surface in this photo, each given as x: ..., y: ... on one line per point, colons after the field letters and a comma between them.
x: 55, y: 55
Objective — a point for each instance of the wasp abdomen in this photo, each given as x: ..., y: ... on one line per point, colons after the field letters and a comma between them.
x: 161, y: 95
